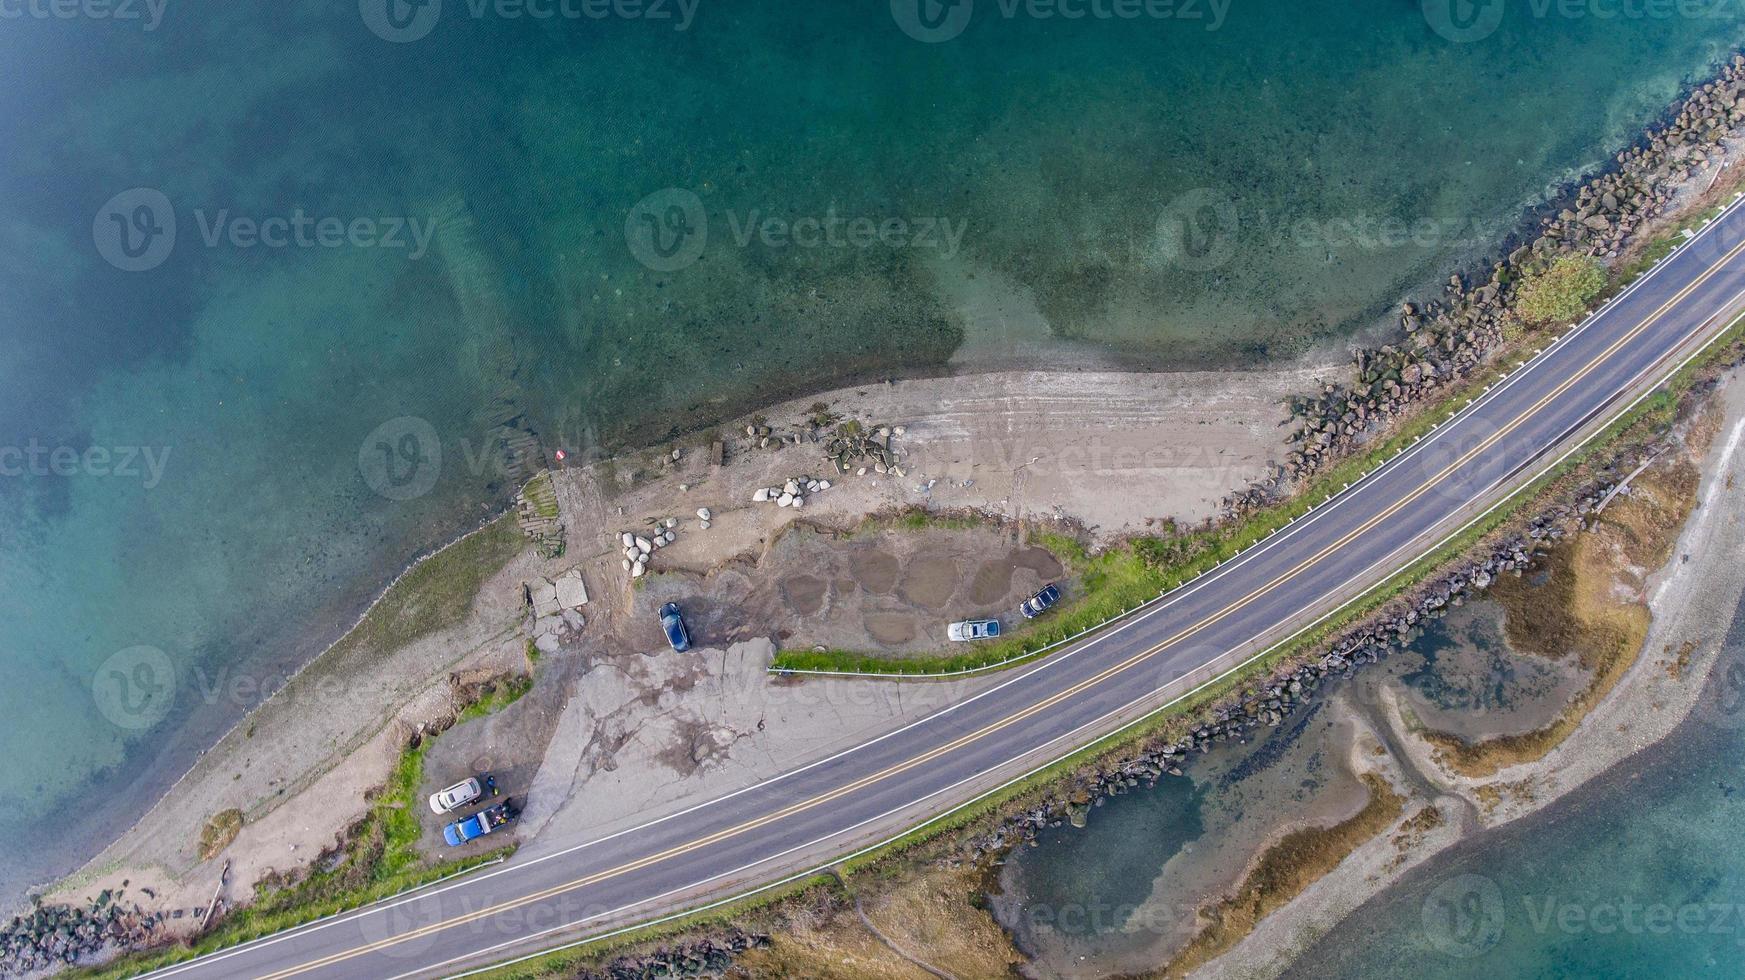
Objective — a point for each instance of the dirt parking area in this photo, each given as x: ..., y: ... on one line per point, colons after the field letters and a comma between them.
x: 886, y: 590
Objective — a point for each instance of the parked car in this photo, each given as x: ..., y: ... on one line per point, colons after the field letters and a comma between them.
x: 674, y: 624
x: 974, y: 629
x: 456, y: 796
x: 486, y: 821
x: 1039, y: 603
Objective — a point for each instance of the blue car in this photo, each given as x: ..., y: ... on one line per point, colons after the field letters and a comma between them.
x: 674, y: 624
x: 1039, y: 603
x: 479, y: 824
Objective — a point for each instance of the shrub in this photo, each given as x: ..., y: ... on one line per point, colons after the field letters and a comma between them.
x: 1560, y: 291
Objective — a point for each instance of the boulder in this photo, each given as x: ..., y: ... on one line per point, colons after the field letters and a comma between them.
x: 572, y: 592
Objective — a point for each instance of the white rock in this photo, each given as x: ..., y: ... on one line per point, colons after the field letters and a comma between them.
x: 675, y: 455
x: 629, y: 539
x: 798, y: 502
x: 791, y: 487
x: 860, y: 472
x: 627, y: 564
x: 751, y: 430
x: 684, y: 487
x: 823, y: 484
x: 706, y: 525
x: 644, y: 545
x: 637, y: 570
x: 760, y: 495
x: 785, y: 500
x: 703, y: 513
x: 879, y: 468
x: 672, y: 522
x: 899, y: 430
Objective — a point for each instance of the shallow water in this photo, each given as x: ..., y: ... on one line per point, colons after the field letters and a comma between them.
x: 1638, y: 874
x: 1121, y: 895
x: 600, y: 231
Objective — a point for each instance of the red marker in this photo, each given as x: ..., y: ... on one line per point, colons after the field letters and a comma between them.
x: 560, y: 454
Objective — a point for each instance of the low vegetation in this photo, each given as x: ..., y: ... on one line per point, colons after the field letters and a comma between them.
x: 378, y: 857
x: 1282, y: 872
x: 1586, y: 608
x: 435, y: 593
x: 1561, y: 292
x: 219, y: 832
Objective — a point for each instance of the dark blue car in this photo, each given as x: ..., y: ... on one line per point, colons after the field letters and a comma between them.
x: 1039, y: 603
x: 674, y: 624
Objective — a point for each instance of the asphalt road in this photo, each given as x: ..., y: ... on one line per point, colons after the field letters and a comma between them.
x: 803, y: 818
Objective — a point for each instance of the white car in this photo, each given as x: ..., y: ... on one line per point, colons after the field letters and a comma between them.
x: 456, y: 796
x: 973, y: 629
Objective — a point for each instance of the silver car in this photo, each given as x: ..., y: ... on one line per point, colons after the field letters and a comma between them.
x: 973, y: 629
x: 456, y: 796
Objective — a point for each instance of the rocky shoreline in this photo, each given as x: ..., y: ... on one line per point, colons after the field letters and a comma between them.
x: 1444, y: 341
x: 1271, y: 702
x: 53, y: 937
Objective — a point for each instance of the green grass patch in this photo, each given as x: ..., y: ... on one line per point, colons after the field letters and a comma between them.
x: 497, y: 695
x: 437, y: 592
x: 380, y: 859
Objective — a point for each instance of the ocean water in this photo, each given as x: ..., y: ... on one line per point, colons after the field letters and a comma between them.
x: 281, y: 279
x: 1638, y: 874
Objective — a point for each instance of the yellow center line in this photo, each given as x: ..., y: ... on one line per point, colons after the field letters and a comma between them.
x: 1048, y: 702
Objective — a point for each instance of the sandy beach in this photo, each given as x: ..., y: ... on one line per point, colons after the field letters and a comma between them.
x: 1112, y: 452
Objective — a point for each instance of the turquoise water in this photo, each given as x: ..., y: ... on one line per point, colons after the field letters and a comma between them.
x: 249, y: 434
x: 1639, y: 874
